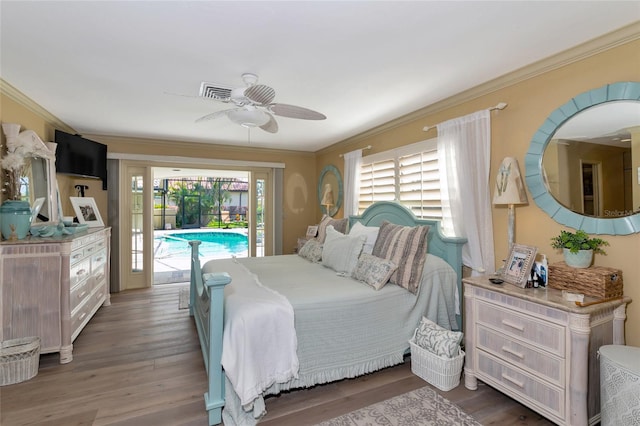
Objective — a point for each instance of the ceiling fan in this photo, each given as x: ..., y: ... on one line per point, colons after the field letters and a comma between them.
x: 254, y: 106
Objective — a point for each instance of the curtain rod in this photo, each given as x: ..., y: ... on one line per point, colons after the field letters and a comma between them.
x: 501, y: 105
x: 361, y: 149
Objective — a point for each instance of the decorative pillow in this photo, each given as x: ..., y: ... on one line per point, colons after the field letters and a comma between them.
x: 373, y: 271
x: 406, y: 246
x: 371, y: 232
x: 339, y: 225
x: 438, y: 340
x: 341, y: 252
x: 312, y: 251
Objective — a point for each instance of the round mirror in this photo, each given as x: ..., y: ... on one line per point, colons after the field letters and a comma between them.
x: 330, y: 190
x: 583, y: 164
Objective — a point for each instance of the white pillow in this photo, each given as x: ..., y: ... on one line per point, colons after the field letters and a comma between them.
x: 340, y: 252
x: 371, y: 232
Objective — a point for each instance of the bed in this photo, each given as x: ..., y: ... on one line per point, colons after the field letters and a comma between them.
x: 286, y: 323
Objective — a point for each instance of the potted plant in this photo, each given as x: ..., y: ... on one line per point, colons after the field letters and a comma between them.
x: 578, y: 248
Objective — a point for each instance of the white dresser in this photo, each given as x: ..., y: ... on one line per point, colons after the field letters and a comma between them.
x: 51, y: 287
x: 538, y: 348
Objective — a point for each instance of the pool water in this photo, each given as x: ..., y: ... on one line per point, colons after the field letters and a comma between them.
x: 214, y: 244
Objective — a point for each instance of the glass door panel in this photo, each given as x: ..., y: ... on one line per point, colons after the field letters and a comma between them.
x: 136, y: 229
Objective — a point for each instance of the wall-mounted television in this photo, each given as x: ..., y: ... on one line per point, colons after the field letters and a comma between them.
x: 82, y: 157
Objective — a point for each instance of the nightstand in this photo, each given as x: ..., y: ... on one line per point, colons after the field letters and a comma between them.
x: 538, y: 348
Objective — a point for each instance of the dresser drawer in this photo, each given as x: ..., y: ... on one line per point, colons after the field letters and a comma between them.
x: 80, y: 293
x: 79, y: 272
x: 535, y: 332
x: 98, y: 261
x: 85, y: 312
x: 76, y: 256
x: 539, y: 363
x: 548, y: 398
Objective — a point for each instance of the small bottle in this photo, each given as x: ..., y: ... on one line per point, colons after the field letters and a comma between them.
x: 543, y: 271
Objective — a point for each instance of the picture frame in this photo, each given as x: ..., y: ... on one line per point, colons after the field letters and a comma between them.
x: 312, y: 231
x: 517, y: 267
x: 87, y: 211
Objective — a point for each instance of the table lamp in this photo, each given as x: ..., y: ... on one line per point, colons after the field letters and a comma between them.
x: 327, y: 198
x: 510, y: 191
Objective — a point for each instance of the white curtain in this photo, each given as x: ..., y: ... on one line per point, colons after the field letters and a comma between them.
x: 464, y: 151
x: 352, y: 162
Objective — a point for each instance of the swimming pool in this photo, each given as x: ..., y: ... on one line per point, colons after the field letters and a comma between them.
x: 215, y: 244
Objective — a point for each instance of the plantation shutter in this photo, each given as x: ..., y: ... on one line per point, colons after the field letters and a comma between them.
x: 419, y: 184
x: 409, y: 175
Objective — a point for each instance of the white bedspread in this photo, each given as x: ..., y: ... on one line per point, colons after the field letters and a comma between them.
x: 258, y: 344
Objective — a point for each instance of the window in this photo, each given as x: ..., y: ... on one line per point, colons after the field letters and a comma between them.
x: 409, y: 174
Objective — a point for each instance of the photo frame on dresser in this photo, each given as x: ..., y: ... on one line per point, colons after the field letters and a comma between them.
x: 518, y: 265
x: 87, y: 211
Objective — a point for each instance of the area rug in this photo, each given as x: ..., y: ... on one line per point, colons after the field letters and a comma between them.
x: 420, y: 407
x: 183, y: 298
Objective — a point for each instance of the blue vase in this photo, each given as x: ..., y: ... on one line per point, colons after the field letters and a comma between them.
x: 15, y: 219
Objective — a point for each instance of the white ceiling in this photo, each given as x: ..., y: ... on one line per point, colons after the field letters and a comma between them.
x: 116, y: 67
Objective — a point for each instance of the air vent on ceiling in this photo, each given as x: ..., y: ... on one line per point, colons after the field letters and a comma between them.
x: 215, y: 91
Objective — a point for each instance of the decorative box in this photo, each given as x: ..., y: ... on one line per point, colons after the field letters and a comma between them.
x: 595, y: 281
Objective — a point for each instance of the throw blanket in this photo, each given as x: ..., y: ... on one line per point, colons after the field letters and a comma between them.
x: 258, y: 344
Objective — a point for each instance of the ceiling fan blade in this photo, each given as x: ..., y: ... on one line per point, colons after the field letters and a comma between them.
x: 271, y: 126
x: 260, y: 94
x: 292, y: 111
x: 213, y: 115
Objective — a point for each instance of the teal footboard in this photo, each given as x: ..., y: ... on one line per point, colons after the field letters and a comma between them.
x: 206, y: 305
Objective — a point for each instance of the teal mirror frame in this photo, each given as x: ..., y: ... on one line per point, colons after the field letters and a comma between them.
x: 336, y: 173
x: 533, y: 162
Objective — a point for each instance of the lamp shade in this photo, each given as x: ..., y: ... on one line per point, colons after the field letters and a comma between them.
x: 327, y: 196
x: 509, y: 188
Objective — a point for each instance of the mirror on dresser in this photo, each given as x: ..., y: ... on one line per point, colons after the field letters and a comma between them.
x: 583, y: 164
x: 37, y: 180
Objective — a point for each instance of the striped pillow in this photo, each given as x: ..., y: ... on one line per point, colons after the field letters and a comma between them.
x: 405, y: 246
x: 339, y: 225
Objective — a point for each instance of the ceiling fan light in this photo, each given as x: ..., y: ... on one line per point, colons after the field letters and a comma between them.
x: 248, y: 118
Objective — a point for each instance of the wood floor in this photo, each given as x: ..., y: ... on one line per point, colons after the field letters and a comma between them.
x: 138, y: 363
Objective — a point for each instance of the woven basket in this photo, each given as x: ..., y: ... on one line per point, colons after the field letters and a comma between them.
x: 19, y: 360
x: 596, y: 281
x: 443, y: 373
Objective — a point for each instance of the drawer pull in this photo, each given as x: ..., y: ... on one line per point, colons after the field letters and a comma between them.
x: 81, y: 317
x: 81, y: 295
x: 99, y: 259
x: 81, y: 272
x: 512, y: 325
x: 512, y: 380
x: 90, y: 249
x: 512, y: 352
x: 77, y: 256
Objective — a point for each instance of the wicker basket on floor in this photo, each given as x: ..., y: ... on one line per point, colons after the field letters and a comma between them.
x: 443, y: 373
x: 19, y: 360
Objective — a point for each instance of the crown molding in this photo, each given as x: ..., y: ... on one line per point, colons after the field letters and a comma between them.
x: 582, y: 51
x: 166, y: 143
x: 26, y: 102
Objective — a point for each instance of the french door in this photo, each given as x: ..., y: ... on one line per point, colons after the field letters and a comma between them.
x: 136, y: 230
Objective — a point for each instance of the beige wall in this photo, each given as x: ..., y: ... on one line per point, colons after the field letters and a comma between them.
x: 530, y: 102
